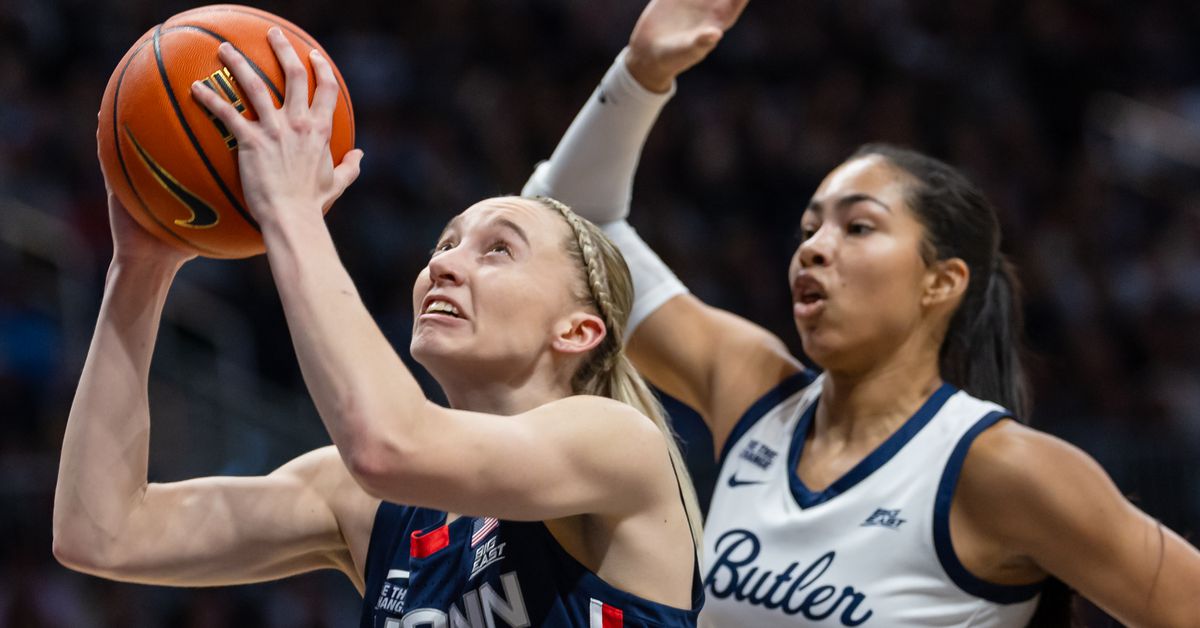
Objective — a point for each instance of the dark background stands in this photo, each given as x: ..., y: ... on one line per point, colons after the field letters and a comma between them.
x: 1080, y: 119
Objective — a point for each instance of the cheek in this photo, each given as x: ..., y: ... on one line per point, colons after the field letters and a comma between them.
x: 420, y: 288
x: 886, y: 279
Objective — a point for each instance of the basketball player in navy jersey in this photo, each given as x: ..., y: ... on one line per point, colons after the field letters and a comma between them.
x: 896, y: 488
x: 533, y: 500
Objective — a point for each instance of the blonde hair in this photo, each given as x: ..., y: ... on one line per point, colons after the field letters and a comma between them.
x: 608, y: 371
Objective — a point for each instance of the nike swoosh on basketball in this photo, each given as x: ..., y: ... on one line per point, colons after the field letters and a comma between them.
x: 203, y: 216
x: 734, y: 482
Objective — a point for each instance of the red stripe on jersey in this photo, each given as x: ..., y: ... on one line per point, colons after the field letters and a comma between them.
x: 424, y: 545
x: 613, y: 617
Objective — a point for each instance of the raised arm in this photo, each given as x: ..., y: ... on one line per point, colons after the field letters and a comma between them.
x: 714, y: 361
x: 580, y: 455
x: 1029, y: 498
x: 110, y: 521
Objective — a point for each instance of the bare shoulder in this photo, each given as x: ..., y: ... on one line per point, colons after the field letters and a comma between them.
x: 1026, y: 486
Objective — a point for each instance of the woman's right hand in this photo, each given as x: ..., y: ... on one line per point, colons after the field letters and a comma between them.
x: 674, y: 35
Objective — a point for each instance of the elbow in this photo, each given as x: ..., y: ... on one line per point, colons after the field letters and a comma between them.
x: 377, y: 467
x: 85, y: 551
x: 78, y: 555
x: 383, y: 461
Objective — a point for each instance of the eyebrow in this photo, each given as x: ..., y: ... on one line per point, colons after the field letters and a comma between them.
x: 847, y: 201
x: 501, y: 222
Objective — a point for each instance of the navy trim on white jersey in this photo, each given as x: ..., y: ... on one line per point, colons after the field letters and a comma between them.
x: 807, y: 498
x: 788, y: 387
x: 967, y: 581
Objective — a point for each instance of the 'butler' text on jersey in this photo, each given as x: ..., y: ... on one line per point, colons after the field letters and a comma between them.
x: 871, y: 549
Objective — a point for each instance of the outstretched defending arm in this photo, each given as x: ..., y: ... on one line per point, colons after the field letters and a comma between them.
x: 715, y: 362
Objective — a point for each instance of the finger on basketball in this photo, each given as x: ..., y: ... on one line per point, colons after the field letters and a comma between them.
x: 221, y: 109
x: 252, y: 84
x: 325, y: 96
x: 295, y: 86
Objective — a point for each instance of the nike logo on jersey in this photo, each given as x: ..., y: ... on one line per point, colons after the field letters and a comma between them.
x: 884, y: 518
x: 734, y: 482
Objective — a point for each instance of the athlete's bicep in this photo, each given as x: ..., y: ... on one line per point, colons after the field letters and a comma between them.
x: 1056, y: 505
x: 230, y: 530
x: 579, y: 455
x: 714, y: 361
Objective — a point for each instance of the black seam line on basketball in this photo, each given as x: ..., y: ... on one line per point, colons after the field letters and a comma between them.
x: 162, y: 72
x: 311, y: 44
x: 125, y: 169
x: 275, y: 91
x: 203, y: 215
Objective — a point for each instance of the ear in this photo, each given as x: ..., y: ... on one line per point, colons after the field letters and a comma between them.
x: 578, y: 333
x: 945, y: 282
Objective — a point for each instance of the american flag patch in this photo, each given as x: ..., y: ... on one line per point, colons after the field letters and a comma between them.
x: 483, y: 526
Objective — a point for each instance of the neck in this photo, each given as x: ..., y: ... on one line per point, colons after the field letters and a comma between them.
x: 874, y: 402
x: 504, y: 394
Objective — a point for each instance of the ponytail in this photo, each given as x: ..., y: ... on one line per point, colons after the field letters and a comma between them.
x: 982, y: 352
x: 608, y: 371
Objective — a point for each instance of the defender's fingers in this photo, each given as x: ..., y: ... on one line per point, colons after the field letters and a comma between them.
x: 207, y: 96
x: 295, y: 75
x: 325, y: 97
x: 253, y: 86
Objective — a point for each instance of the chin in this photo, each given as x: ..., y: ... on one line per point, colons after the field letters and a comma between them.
x: 821, y: 346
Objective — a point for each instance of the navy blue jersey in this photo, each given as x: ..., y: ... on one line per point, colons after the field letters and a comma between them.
x: 479, y: 571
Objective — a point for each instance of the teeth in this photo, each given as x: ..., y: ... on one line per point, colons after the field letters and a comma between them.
x: 441, y: 306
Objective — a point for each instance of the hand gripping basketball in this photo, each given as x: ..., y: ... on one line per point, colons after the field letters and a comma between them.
x: 286, y: 169
x: 170, y: 162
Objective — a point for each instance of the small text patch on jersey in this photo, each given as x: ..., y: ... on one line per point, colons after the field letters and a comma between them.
x: 884, y: 518
x: 391, y: 598
x: 487, y: 554
x: 758, y: 454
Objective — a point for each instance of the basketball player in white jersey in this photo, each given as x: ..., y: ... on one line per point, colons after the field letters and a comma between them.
x: 518, y: 315
x: 896, y: 488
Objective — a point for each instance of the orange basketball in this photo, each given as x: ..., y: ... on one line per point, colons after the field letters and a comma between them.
x: 173, y: 165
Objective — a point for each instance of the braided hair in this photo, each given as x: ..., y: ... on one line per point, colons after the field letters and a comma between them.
x: 608, y: 372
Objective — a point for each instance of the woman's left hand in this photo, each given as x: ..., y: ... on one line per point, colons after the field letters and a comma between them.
x: 283, y: 157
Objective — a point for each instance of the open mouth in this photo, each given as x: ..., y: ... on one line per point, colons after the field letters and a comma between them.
x: 809, y: 297
x: 444, y: 308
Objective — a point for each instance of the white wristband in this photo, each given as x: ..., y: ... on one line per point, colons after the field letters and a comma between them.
x: 653, y: 282
x: 593, y: 166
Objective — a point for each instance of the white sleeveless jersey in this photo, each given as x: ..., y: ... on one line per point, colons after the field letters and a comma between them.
x: 872, y: 549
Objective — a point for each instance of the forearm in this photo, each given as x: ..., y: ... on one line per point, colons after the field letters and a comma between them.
x: 592, y: 168
x: 367, y: 398
x: 102, y: 471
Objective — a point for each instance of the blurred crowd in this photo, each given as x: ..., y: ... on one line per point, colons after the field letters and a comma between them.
x: 1079, y: 118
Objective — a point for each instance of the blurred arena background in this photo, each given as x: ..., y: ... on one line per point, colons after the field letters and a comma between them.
x: 1080, y: 118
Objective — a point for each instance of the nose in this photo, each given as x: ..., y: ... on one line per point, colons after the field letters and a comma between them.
x: 817, y: 250
x: 446, y: 267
